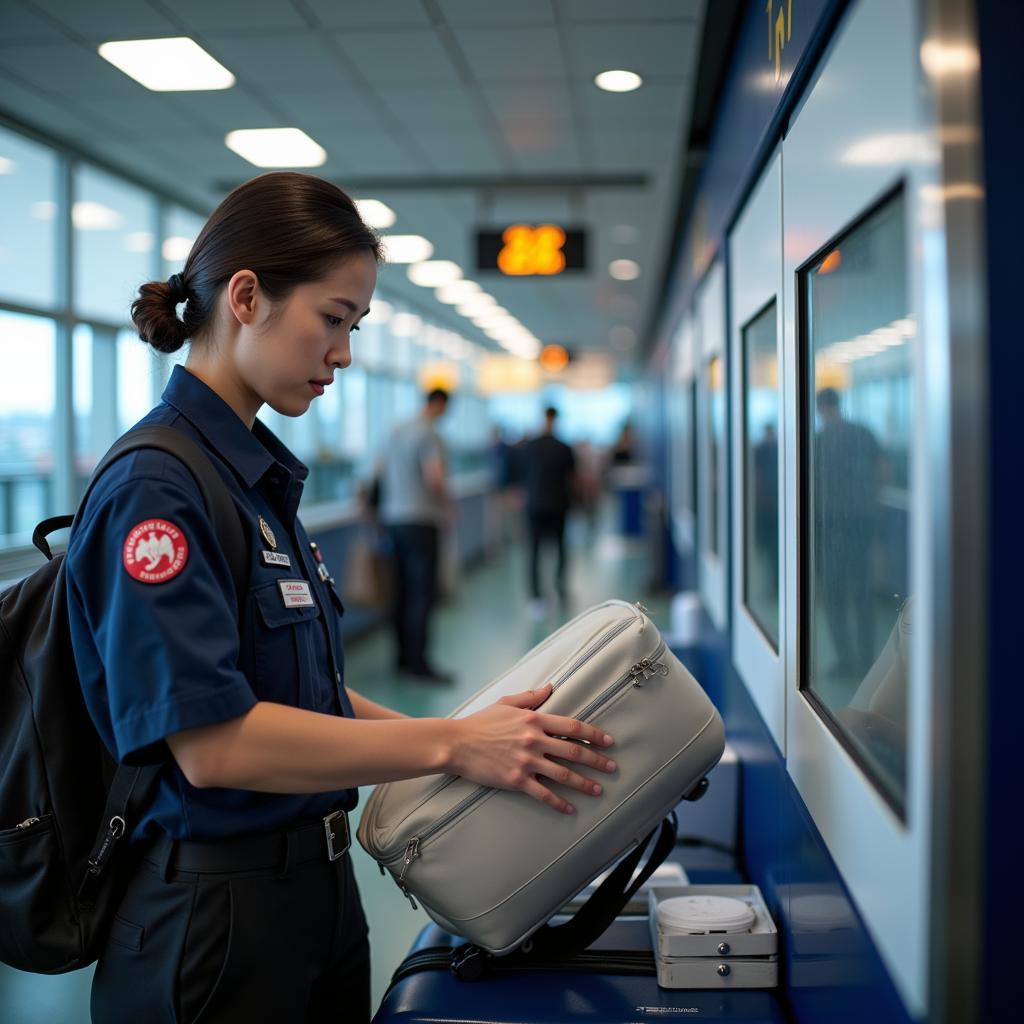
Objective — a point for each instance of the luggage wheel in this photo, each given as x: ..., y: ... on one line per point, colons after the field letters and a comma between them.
x: 698, y: 791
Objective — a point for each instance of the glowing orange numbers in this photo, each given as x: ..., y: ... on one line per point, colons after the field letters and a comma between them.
x: 532, y: 250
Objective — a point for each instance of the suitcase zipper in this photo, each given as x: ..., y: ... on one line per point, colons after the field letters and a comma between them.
x: 639, y: 672
x: 596, y: 646
x: 27, y: 823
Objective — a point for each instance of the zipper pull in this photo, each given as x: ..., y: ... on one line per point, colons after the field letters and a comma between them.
x: 412, y: 851
x: 27, y: 823
x: 642, y: 608
x: 637, y: 672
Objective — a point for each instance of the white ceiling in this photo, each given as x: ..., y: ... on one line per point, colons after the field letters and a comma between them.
x: 407, y: 92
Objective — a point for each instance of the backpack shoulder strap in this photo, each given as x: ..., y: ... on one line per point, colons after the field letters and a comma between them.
x: 216, y: 497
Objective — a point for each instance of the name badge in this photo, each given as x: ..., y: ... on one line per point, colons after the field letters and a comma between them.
x: 296, y: 594
x: 278, y: 558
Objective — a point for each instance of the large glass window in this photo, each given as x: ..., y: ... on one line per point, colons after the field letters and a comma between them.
x: 139, y: 379
x: 28, y: 222
x: 856, y: 443
x: 115, y: 244
x: 28, y: 353
x: 716, y: 439
x: 181, y: 228
x: 761, y: 472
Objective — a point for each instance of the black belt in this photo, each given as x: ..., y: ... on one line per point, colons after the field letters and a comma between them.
x: 326, y: 839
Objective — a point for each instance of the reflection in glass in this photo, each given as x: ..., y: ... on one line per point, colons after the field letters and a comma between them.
x: 761, y: 473
x: 28, y: 222
x: 138, y: 379
x: 716, y: 438
x: 856, y: 548
x: 115, y: 244
x: 27, y: 403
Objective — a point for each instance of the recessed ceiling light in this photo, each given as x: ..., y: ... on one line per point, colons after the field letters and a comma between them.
x: 167, y: 65
x: 176, y: 248
x: 375, y: 214
x: 624, y: 270
x: 434, y: 273
x: 276, y: 147
x: 89, y: 216
x: 6, y: 165
x: 618, y: 81
x: 457, y: 291
x: 405, y: 325
x: 476, y: 304
x: 407, y: 248
x: 45, y: 209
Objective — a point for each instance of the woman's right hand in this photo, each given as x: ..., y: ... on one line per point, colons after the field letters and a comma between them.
x: 511, y: 745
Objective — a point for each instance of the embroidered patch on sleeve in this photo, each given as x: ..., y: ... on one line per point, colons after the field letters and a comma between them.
x: 155, y: 551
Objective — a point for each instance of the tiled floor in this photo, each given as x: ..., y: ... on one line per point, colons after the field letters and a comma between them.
x: 477, y: 633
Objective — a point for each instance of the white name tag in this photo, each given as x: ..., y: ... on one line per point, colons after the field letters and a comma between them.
x: 296, y: 594
x: 276, y: 558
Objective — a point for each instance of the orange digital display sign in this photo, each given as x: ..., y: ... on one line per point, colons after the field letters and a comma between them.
x: 531, y: 250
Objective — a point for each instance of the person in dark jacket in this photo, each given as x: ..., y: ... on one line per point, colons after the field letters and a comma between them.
x: 549, y: 469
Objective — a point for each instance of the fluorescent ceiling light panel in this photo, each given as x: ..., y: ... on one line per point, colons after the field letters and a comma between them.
x: 175, y: 248
x: 276, y: 147
x: 407, y: 248
x: 139, y: 241
x: 457, y: 291
x: 89, y: 216
x: 405, y: 325
x: 6, y: 165
x: 375, y: 214
x: 618, y: 81
x: 624, y: 270
x: 434, y: 273
x: 168, y: 65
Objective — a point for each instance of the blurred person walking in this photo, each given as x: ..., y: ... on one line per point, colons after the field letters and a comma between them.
x: 414, y: 505
x: 549, y: 470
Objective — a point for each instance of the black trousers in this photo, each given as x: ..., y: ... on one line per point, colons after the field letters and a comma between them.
x: 287, y: 943
x: 546, y: 525
x: 416, y: 553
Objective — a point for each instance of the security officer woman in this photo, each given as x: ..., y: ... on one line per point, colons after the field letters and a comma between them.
x: 241, y: 907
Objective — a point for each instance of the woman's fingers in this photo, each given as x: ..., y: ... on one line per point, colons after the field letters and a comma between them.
x: 533, y: 788
x: 580, y: 754
x: 574, y: 729
x: 565, y: 776
x: 528, y: 699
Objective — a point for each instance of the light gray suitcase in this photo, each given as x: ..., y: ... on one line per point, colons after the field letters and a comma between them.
x: 494, y: 865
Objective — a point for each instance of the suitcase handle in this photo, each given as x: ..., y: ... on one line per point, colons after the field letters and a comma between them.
x: 561, y: 942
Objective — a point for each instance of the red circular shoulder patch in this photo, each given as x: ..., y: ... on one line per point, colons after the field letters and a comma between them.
x: 155, y: 551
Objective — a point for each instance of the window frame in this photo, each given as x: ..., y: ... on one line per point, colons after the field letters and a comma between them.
x: 710, y: 307
x: 755, y: 283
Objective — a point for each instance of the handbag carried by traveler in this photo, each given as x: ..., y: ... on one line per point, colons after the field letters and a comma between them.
x: 494, y: 865
x: 64, y: 804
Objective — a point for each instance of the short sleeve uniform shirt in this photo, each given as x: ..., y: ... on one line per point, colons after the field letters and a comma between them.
x: 162, y: 643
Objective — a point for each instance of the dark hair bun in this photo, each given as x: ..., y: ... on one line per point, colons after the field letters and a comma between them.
x: 155, y: 317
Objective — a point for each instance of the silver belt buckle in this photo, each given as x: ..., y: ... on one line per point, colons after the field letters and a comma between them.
x: 337, y: 844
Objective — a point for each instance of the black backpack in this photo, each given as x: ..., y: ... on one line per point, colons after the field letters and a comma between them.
x: 64, y: 804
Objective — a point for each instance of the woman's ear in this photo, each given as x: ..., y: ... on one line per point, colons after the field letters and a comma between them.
x: 242, y: 292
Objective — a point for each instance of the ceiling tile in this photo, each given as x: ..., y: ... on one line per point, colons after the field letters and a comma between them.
x: 143, y: 117
x: 109, y: 19
x: 634, y: 10
x: 344, y: 107
x: 655, y: 49
x: 548, y: 106
x: 473, y: 12
x: 399, y: 57
x: 658, y: 104
x: 68, y: 69
x: 278, y: 59
x: 60, y: 119
x: 225, y: 110
x: 458, y: 152
x: 240, y: 16
x: 21, y: 24
x: 448, y: 107
x: 374, y: 14
x: 513, y: 54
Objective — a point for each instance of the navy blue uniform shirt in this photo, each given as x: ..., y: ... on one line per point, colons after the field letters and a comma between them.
x: 161, y: 643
